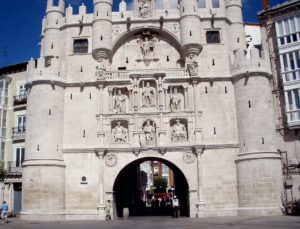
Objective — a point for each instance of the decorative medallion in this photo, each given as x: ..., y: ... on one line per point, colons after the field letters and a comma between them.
x: 188, y: 157
x: 111, y: 160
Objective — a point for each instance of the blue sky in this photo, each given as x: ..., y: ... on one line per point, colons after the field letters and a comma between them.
x: 20, y: 23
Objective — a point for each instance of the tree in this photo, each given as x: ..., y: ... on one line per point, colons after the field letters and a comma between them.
x: 160, y: 183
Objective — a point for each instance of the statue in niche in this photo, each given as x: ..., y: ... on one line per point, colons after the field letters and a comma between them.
x: 179, y: 132
x: 192, y: 65
x: 119, y: 103
x: 120, y: 133
x: 175, y: 101
x: 149, y: 131
x: 148, y: 95
x: 144, y: 8
x: 147, y: 46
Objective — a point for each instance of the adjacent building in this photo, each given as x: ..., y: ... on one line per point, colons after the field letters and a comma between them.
x: 13, y: 102
x: 281, y: 41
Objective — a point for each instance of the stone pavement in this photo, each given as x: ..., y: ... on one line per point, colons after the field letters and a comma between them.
x: 274, y: 222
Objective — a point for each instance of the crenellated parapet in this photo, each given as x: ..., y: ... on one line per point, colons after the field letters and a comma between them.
x: 254, y: 65
x: 37, y: 72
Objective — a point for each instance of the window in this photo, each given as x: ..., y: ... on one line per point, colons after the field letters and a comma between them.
x: 22, y: 92
x: 201, y: 4
x: 81, y: 46
x: 20, y: 154
x: 215, y: 3
x: 21, y: 123
x: 213, y: 37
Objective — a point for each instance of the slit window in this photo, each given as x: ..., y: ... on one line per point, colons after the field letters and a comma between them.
x: 213, y: 37
x: 216, y: 3
x: 81, y: 46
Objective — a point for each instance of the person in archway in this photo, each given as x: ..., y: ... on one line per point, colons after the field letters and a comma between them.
x: 175, y: 205
x: 108, y: 208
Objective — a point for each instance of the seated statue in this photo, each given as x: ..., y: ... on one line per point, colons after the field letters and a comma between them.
x: 120, y: 133
x: 179, y: 132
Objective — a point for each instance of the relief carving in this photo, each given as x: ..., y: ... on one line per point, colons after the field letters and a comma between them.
x: 192, y: 65
x: 145, y: 8
x: 120, y: 133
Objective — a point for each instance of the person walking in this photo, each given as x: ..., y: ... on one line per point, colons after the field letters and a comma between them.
x: 4, y: 213
x: 175, y: 205
x: 108, y: 208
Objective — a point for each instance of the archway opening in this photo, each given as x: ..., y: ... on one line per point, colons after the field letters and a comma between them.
x: 146, y: 187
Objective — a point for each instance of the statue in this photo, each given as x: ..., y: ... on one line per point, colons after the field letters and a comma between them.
x: 149, y: 131
x: 175, y: 101
x: 179, y: 132
x: 144, y: 8
x: 147, y: 46
x: 192, y: 65
x: 148, y: 95
x: 120, y: 133
x: 119, y: 102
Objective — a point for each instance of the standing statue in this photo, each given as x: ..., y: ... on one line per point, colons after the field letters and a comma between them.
x: 144, y: 8
x: 147, y: 46
x: 175, y: 101
x: 120, y: 133
x: 192, y: 65
x: 148, y: 95
x: 179, y: 132
x: 119, y: 102
x: 149, y: 131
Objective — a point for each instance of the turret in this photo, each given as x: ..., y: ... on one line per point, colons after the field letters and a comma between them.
x: 235, y: 15
x: 258, y: 162
x: 102, y: 29
x: 51, y: 39
x: 190, y: 35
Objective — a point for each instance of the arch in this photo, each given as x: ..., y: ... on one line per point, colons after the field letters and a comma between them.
x: 126, y: 192
x: 135, y: 31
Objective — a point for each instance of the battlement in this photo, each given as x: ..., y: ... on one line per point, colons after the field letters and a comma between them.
x: 43, y: 70
x: 59, y: 7
x: 255, y: 64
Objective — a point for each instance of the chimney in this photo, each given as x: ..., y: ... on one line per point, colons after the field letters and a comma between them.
x: 264, y: 4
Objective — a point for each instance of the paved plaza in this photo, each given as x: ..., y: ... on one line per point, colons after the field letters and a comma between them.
x: 274, y: 222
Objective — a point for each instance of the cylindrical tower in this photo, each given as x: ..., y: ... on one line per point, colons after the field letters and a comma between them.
x: 102, y: 29
x: 43, y: 173
x: 237, y: 31
x: 190, y: 27
x: 51, y: 39
x: 258, y: 163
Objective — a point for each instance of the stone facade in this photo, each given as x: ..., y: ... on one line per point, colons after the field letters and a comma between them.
x: 171, y: 84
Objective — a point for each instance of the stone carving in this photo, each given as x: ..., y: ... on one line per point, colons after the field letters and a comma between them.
x: 179, y: 132
x: 149, y: 131
x: 144, y: 8
x: 100, y: 70
x: 189, y: 157
x: 192, y: 65
x: 148, y: 95
x: 119, y: 102
x: 175, y: 101
x: 111, y: 160
x: 120, y: 133
x: 147, y: 46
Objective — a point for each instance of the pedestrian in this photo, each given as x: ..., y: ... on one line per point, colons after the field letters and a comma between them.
x: 108, y: 208
x: 175, y: 205
x: 4, y: 213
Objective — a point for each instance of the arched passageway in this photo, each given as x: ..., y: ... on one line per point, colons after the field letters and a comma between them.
x: 128, y: 193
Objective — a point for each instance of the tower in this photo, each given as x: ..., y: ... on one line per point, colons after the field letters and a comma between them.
x: 44, y: 169
x: 235, y: 15
x: 190, y: 35
x: 51, y: 33
x: 102, y: 29
x: 258, y: 162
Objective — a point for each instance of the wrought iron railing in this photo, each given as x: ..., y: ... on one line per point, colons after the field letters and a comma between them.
x: 14, y: 167
x: 20, y: 99
x: 19, y: 132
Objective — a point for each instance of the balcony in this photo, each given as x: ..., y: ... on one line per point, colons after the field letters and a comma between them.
x: 20, y: 99
x: 18, y: 133
x: 14, y: 167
